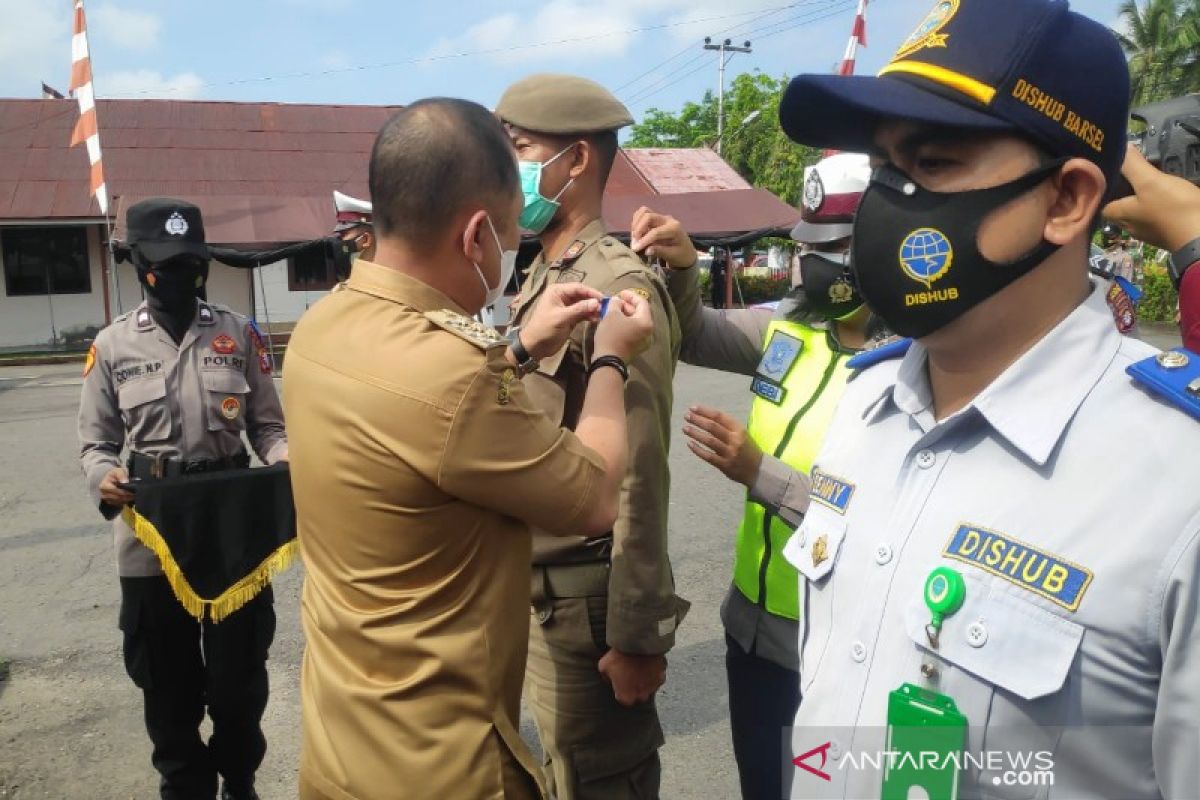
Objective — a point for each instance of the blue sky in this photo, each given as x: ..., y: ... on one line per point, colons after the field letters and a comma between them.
x: 373, y: 51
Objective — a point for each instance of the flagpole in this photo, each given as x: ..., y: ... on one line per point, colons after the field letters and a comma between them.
x: 83, y: 83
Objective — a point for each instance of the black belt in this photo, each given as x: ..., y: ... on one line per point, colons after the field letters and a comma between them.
x: 143, y: 466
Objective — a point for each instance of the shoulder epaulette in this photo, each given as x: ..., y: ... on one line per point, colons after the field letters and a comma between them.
x: 467, y: 328
x: 1174, y: 376
x: 886, y: 352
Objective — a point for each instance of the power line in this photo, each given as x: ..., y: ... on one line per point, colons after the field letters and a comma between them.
x: 666, y: 79
x: 833, y: 12
x: 789, y: 24
x: 445, y: 56
x: 767, y: 13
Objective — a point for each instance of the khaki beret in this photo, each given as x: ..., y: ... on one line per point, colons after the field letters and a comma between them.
x: 562, y: 104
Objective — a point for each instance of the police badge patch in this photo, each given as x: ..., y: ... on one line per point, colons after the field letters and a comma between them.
x: 176, y: 225
x: 814, y: 192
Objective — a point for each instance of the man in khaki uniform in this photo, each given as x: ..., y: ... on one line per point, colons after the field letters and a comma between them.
x: 604, y: 608
x: 178, y: 381
x: 419, y: 463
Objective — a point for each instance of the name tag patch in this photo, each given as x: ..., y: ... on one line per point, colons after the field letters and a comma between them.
x: 831, y: 491
x: 1022, y: 564
x: 768, y: 391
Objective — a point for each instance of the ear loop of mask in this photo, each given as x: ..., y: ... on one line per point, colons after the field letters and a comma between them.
x: 570, y: 180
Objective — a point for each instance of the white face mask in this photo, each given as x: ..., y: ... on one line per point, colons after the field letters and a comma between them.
x: 508, y: 265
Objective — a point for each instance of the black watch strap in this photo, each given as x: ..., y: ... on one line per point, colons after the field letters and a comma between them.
x: 1183, y: 258
x: 526, y: 363
x: 609, y: 361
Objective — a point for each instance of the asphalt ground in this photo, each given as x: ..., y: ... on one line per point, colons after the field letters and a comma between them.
x: 70, y: 719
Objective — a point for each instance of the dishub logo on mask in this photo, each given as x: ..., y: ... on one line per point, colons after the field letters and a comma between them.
x: 926, y: 255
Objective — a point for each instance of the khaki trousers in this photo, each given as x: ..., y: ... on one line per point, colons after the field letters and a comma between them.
x: 594, y: 748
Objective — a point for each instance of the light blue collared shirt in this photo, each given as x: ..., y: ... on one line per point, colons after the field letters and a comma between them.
x: 1069, y: 500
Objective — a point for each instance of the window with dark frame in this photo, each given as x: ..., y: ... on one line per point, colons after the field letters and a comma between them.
x: 51, y: 260
x: 310, y: 271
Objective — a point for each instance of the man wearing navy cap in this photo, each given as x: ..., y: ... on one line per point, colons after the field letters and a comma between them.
x: 981, y: 617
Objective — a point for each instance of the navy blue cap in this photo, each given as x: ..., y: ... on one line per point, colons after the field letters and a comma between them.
x: 1032, y: 67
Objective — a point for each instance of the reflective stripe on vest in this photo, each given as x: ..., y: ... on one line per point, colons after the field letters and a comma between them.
x: 791, y: 431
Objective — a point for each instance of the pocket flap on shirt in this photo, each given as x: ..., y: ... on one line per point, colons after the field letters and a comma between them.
x: 136, y: 393
x: 814, y: 546
x: 227, y: 381
x: 1006, y: 640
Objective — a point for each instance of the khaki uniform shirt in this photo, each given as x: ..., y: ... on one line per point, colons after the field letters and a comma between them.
x: 190, y: 401
x: 643, y: 610
x: 418, y: 463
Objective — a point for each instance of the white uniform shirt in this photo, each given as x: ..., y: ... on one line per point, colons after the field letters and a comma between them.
x: 1069, y: 500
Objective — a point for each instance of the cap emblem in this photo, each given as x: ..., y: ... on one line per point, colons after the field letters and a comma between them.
x: 176, y: 225
x: 814, y: 192
x: 928, y: 33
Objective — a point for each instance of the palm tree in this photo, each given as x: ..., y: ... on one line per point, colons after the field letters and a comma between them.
x: 1160, y: 43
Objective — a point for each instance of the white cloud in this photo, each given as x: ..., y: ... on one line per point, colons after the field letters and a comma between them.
x: 556, y: 28
x: 613, y: 28
x: 335, y: 59
x: 146, y: 83
x: 35, y: 46
x: 124, y: 28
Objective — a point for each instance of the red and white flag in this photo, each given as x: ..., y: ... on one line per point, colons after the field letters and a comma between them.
x: 86, y: 129
x: 858, y: 36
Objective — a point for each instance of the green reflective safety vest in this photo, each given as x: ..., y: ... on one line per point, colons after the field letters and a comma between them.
x: 792, y: 431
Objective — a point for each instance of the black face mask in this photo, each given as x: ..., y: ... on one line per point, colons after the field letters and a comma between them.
x: 173, y: 285
x: 828, y: 286
x: 916, y: 256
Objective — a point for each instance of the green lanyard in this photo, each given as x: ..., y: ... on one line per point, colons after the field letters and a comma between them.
x: 926, y: 731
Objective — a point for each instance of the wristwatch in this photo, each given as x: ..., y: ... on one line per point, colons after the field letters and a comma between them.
x: 526, y: 363
x: 1183, y: 258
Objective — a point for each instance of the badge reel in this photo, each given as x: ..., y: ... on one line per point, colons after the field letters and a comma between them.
x: 926, y: 732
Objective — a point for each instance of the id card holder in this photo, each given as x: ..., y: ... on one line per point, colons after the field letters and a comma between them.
x: 925, y: 740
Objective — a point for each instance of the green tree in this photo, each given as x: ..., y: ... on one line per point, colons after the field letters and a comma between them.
x: 1161, y: 41
x: 753, y: 144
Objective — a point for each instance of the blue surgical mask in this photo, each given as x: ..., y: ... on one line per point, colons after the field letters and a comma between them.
x: 539, y: 209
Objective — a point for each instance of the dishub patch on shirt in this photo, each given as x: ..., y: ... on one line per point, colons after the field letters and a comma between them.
x: 1022, y: 564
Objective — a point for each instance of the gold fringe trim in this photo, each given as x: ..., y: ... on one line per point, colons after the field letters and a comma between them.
x: 229, y: 600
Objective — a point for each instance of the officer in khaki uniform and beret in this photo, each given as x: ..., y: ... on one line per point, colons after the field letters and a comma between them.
x: 604, y: 608
x: 178, y: 381
x: 420, y: 463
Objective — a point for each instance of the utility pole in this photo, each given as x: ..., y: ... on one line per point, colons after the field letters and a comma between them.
x: 723, y: 48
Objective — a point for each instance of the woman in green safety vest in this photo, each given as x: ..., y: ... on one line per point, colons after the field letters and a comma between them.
x: 796, y: 357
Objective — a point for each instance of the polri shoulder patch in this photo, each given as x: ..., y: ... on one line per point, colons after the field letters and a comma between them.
x: 472, y: 330
x: 1173, y: 376
x: 1024, y: 565
x: 265, y: 364
x: 90, y: 362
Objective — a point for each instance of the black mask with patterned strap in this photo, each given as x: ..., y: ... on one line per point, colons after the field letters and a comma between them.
x: 916, y: 257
